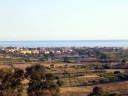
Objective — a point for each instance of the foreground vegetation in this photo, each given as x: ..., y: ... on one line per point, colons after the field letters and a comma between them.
x: 13, y: 82
x: 38, y: 80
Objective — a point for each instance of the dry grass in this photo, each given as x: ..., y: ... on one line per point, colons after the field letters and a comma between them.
x: 75, y: 91
x: 110, y: 87
x: 116, y: 86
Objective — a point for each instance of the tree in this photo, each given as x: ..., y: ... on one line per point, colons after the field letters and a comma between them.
x: 98, y: 91
x: 66, y: 60
x: 41, y: 83
x: 11, y: 82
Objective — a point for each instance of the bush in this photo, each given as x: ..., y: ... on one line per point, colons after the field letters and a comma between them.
x: 41, y: 83
x: 11, y: 82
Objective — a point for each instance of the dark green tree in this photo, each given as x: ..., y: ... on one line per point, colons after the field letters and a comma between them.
x: 11, y: 82
x: 41, y: 83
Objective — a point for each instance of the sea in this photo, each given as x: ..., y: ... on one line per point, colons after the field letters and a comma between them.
x: 66, y: 43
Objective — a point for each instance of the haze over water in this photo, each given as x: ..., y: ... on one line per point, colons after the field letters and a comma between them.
x: 66, y: 43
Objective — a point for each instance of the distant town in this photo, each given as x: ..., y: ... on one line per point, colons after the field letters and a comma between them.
x: 107, y: 56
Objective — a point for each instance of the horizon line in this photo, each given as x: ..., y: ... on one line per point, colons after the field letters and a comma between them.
x: 67, y: 40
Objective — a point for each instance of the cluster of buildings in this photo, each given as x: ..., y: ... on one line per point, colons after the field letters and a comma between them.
x: 58, y: 51
x: 71, y: 55
x: 67, y: 54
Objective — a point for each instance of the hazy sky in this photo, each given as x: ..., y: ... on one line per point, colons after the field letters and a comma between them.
x: 63, y: 19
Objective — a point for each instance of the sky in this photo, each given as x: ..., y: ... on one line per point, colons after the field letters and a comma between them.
x: 63, y: 19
